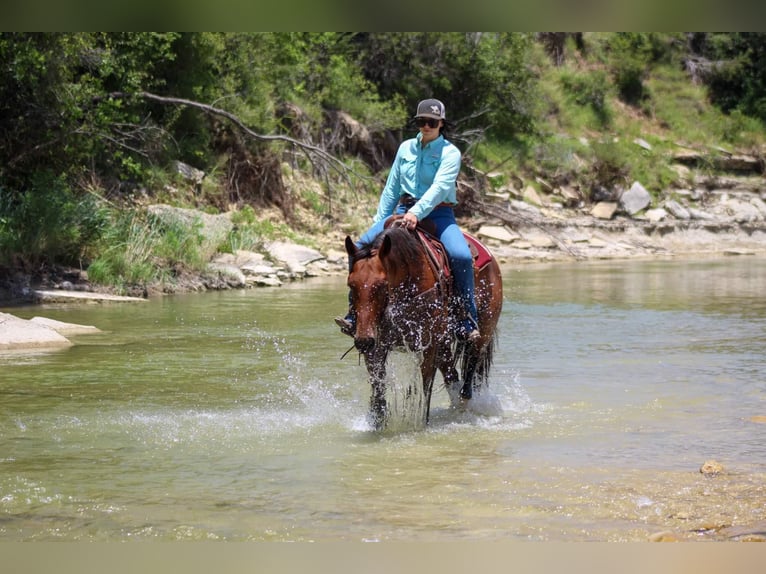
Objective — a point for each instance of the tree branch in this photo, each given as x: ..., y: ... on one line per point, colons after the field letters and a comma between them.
x: 307, y: 148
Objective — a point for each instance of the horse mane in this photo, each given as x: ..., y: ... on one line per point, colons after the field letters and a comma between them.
x: 407, y: 246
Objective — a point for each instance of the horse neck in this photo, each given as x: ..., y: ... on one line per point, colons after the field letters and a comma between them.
x: 409, y: 276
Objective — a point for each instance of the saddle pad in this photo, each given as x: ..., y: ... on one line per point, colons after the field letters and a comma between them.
x: 481, y: 254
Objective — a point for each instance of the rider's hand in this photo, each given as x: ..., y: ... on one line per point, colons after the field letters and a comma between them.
x: 410, y: 221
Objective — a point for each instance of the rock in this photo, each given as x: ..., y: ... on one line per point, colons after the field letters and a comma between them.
x: 656, y: 215
x: 188, y: 172
x: 258, y: 269
x: 525, y: 207
x: 741, y: 211
x: 293, y: 256
x: 759, y: 204
x: 231, y: 274
x: 635, y: 199
x: 698, y: 214
x: 698, y: 194
x: 683, y: 172
x: 571, y: 196
x: 65, y: 328
x: 338, y: 257
x: 574, y: 235
x: 18, y: 333
x: 531, y: 196
x: 712, y: 468
x: 243, y: 257
x: 604, y: 210
x: 263, y: 281
x: 45, y: 296
x: 643, y: 144
x: 688, y: 157
x: 677, y: 210
x: 541, y: 241
x: 497, y: 233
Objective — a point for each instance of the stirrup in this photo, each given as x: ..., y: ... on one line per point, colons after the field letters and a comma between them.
x: 467, y: 331
x: 346, y: 326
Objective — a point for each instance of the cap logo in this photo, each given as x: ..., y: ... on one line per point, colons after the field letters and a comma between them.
x: 435, y: 109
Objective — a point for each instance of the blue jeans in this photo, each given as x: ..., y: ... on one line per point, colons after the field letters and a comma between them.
x: 459, y: 254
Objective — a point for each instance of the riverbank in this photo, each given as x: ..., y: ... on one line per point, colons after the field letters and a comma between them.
x: 543, y: 238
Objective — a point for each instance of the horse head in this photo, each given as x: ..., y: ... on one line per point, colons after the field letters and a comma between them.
x: 367, y: 282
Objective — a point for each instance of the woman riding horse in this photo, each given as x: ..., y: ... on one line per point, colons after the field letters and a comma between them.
x: 422, y: 185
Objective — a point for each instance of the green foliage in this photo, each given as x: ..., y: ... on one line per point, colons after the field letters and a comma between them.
x: 127, y: 257
x: 71, y: 112
x: 138, y: 249
x: 610, y: 167
x: 631, y: 55
x: 483, y: 78
x: 48, y: 224
x: 737, y: 70
x: 590, y: 89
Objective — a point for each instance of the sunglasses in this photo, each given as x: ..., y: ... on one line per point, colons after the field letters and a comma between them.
x: 430, y: 122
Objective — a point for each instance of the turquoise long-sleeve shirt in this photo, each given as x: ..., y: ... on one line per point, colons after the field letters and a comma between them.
x: 429, y: 174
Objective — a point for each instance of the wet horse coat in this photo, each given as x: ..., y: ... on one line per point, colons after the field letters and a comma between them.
x: 401, y: 295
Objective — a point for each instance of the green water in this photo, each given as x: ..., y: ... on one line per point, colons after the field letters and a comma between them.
x: 230, y: 416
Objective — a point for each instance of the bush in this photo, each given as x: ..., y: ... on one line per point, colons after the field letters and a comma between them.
x: 590, y: 89
x: 139, y: 249
x: 49, y: 224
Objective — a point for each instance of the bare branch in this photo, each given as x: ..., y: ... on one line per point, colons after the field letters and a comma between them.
x: 308, y: 149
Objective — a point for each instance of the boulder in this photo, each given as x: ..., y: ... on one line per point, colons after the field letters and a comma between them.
x: 531, y: 196
x: 677, y: 210
x: 604, y: 209
x: 16, y: 333
x: 293, y: 256
x: 63, y: 328
x: 497, y: 233
x: 656, y: 215
x: 635, y: 199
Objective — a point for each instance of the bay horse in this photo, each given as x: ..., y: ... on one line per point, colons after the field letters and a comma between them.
x: 401, y: 294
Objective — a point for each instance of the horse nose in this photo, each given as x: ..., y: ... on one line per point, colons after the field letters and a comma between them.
x: 364, y: 344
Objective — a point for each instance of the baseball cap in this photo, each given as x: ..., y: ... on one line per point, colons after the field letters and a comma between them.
x: 430, y: 109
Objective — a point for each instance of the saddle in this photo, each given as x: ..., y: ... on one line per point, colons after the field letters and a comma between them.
x: 438, y: 255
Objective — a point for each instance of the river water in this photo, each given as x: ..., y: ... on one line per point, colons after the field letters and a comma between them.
x: 231, y: 416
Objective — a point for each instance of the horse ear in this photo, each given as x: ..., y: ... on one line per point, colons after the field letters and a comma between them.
x: 385, y: 246
x: 350, y: 247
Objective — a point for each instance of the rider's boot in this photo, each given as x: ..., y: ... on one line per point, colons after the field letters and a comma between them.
x: 347, y: 324
x: 468, y: 330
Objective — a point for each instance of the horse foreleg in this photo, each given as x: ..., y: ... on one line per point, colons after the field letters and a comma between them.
x: 376, y: 369
x: 470, y: 361
x: 428, y: 373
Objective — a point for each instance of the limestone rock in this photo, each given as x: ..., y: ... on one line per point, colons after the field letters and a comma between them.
x: 16, y: 333
x: 635, y: 199
x: 677, y: 210
x: 293, y: 256
x: 63, y: 328
x: 531, y: 196
x: 656, y: 215
x: 604, y: 210
x: 497, y: 232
